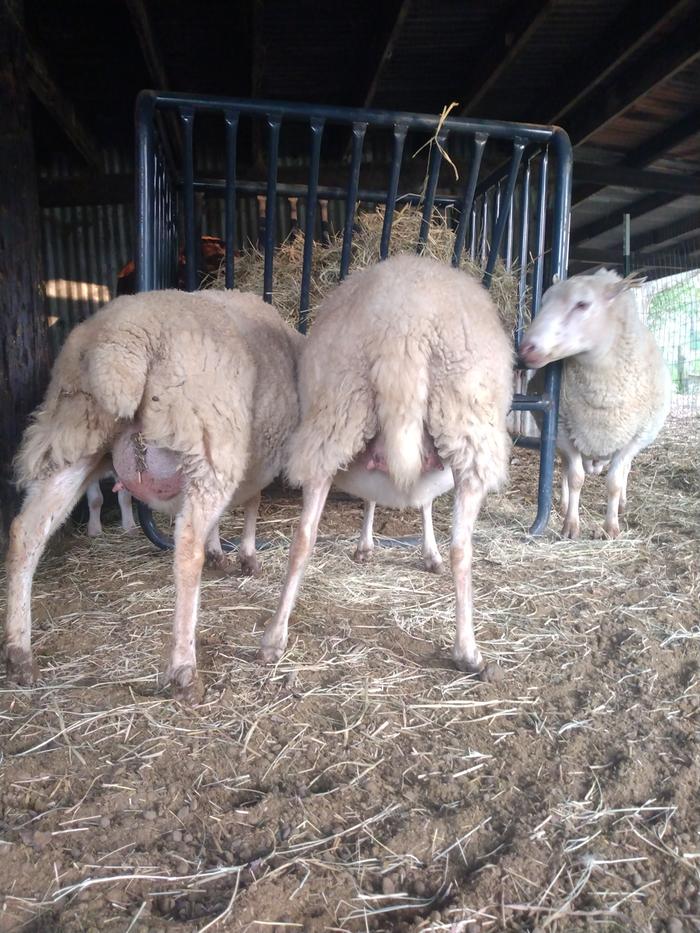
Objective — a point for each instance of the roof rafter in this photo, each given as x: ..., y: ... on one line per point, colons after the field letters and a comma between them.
x: 387, y: 50
x: 502, y: 49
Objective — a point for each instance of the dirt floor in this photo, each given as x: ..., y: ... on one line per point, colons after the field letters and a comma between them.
x: 364, y: 783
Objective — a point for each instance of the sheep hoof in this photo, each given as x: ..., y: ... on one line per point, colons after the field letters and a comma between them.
x: 570, y: 529
x: 185, y: 685
x: 132, y: 530
x: 363, y: 555
x: 433, y: 564
x: 250, y: 565
x: 20, y: 667
x: 220, y: 563
x: 611, y: 531
x: 272, y: 646
x: 94, y: 532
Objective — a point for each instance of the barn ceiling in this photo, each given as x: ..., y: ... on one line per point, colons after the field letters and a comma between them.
x: 623, y: 78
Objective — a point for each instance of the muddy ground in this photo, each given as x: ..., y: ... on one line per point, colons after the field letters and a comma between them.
x: 364, y: 783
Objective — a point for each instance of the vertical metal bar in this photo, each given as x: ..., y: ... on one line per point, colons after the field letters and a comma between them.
x: 230, y: 201
x: 433, y: 174
x: 626, y: 266
x: 358, y: 138
x: 311, y: 199
x: 467, y: 202
x: 523, y: 258
x: 400, y: 130
x: 505, y: 199
x: 473, y: 227
x: 509, y: 232
x: 145, y: 138
x: 538, y: 272
x: 187, y: 120
x: 561, y: 217
x: 274, y: 121
x: 484, y: 228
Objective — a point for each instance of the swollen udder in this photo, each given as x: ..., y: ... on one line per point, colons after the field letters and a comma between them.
x: 373, y: 457
x: 151, y: 474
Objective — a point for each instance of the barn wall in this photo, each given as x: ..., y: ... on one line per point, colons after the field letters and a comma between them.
x: 24, y: 359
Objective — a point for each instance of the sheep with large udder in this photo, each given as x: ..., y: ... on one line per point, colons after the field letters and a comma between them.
x: 615, y: 388
x: 404, y: 386
x: 194, y: 397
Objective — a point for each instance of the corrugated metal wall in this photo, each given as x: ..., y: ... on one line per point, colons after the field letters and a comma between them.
x: 83, y: 249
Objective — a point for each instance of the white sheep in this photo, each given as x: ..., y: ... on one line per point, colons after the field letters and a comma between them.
x: 615, y: 388
x: 194, y: 395
x: 404, y: 384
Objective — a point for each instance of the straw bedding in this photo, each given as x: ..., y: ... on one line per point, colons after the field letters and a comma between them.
x: 363, y: 783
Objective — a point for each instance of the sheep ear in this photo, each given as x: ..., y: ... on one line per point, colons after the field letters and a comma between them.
x: 633, y: 280
x: 555, y: 279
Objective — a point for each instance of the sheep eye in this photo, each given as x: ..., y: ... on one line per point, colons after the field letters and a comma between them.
x: 582, y: 305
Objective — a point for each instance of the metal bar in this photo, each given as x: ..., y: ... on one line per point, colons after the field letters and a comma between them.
x: 505, y: 199
x: 473, y: 224
x: 400, y: 130
x: 523, y: 258
x: 433, y: 175
x: 358, y: 138
x: 509, y: 234
x: 626, y: 244
x: 561, y: 218
x: 314, y: 162
x: 467, y: 201
x: 273, y: 141
x: 538, y: 272
x: 145, y: 208
x: 484, y: 228
x: 187, y: 120
x: 230, y: 206
x: 166, y: 543
x: 217, y: 188
x: 498, y: 129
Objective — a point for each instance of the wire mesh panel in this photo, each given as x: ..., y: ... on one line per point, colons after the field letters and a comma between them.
x: 515, y: 216
x: 669, y: 304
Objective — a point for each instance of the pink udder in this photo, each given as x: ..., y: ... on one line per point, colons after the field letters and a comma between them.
x: 151, y: 474
x: 373, y: 456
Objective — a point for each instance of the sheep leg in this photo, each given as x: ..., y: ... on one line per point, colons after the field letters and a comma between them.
x: 247, y: 558
x: 575, y: 475
x: 616, y: 482
x: 274, y: 639
x: 623, y: 492
x: 95, y: 500
x: 431, y: 556
x: 465, y: 652
x: 214, y: 557
x: 365, y: 546
x: 45, y: 508
x: 198, y: 517
x: 564, y: 504
x: 128, y: 523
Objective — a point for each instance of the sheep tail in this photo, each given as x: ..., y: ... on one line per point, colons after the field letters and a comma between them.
x: 116, y: 376
x: 401, y: 391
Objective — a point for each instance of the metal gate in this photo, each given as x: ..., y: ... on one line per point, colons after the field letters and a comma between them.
x: 519, y: 211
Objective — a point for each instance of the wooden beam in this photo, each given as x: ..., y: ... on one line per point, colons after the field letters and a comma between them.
x: 618, y: 176
x: 502, y: 49
x: 636, y: 26
x: 648, y: 152
x: 387, y: 50
x: 614, y: 218
x: 141, y: 22
x: 595, y: 257
x: 24, y: 344
x: 676, y: 232
x: 678, y: 49
x: 45, y: 89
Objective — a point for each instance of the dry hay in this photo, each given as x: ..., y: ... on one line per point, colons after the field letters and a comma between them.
x: 365, y: 251
x: 363, y: 783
